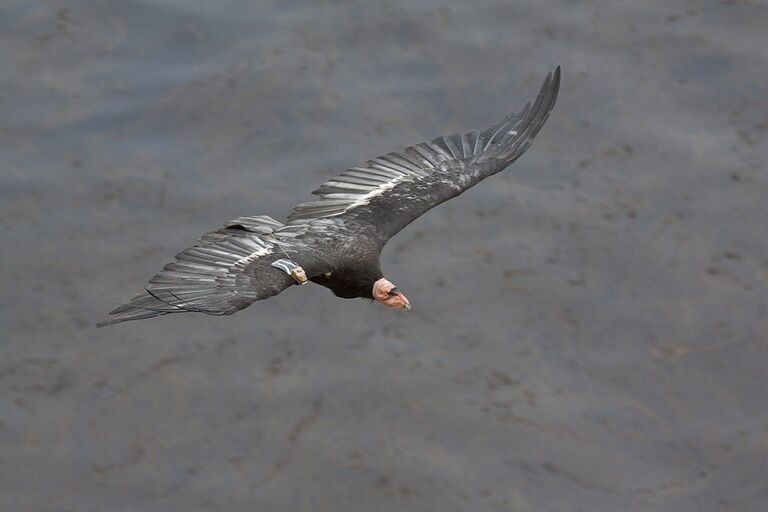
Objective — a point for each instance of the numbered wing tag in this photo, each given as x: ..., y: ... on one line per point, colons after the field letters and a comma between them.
x: 291, y: 268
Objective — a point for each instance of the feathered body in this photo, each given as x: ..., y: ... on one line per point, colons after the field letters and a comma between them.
x: 353, y: 282
x: 337, y: 239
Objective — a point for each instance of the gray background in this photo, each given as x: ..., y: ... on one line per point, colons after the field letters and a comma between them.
x: 588, y: 329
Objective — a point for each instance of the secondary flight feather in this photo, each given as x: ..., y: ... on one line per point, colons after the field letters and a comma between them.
x: 336, y: 240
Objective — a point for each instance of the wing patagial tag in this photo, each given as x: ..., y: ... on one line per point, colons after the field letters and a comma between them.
x: 293, y: 269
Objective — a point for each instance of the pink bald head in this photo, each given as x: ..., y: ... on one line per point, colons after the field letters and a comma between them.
x: 386, y: 293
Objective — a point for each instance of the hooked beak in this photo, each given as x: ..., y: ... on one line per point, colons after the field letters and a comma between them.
x: 406, y: 303
x: 388, y: 294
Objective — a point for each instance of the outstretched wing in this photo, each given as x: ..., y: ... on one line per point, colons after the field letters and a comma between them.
x: 231, y: 268
x: 228, y: 270
x: 391, y: 191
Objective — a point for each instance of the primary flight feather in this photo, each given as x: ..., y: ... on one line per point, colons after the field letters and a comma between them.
x: 335, y: 241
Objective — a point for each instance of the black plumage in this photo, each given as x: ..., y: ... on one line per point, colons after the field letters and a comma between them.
x: 337, y: 238
x: 353, y: 282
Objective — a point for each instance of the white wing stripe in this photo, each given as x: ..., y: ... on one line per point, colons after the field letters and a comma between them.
x: 350, y: 186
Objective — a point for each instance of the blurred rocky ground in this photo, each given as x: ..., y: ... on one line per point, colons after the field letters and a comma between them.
x: 588, y: 329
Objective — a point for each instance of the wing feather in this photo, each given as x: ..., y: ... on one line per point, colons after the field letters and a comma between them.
x: 230, y: 268
x: 226, y: 271
x: 392, y: 190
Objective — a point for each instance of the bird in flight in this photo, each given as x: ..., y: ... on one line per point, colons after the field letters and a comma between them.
x: 335, y: 241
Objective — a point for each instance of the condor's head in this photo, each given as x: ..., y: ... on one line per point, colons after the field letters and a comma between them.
x: 387, y: 293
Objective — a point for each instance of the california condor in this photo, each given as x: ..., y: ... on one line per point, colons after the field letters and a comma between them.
x: 335, y: 241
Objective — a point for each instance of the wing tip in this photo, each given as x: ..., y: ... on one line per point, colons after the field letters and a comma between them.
x: 127, y: 312
x: 144, y: 305
x: 112, y: 317
x: 108, y: 321
x: 556, y: 82
x: 111, y: 320
x: 551, y: 86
